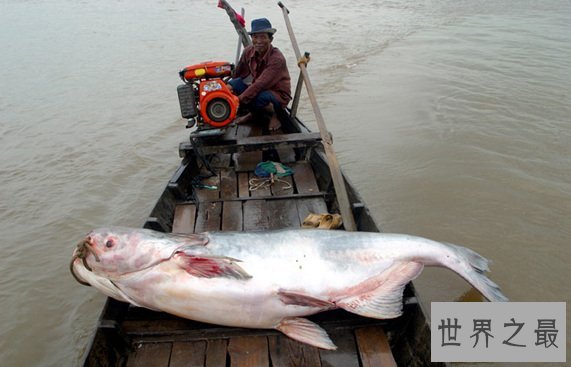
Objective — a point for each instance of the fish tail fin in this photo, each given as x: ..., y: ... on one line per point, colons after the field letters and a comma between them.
x: 472, y: 267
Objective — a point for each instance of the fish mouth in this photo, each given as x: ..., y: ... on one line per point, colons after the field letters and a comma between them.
x: 82, y: 251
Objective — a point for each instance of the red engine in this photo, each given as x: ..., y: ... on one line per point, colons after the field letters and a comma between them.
x: 205, y: 97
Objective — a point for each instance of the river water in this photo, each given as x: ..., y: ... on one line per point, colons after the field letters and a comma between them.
x: 452, y: 118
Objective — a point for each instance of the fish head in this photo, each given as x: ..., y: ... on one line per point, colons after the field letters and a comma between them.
x: 116, y: 251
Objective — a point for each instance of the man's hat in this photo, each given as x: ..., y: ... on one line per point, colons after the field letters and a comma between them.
x: 262, y: 25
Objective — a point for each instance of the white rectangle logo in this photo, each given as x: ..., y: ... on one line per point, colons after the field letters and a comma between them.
x: 498, y: 332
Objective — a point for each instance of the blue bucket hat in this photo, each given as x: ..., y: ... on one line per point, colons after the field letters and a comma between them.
x: 262, y: 25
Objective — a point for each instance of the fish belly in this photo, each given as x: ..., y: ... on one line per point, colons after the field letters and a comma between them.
x: 243, y: 303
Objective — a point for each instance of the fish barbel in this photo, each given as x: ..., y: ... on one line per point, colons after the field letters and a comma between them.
x: 268, y: 279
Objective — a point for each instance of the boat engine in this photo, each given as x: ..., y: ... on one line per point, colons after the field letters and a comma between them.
x: 204, y: 97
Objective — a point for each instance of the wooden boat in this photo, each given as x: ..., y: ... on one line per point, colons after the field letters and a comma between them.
x: 132, y: 336
x: 215, y: 189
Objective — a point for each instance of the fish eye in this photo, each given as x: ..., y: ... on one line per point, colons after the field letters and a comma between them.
x: 110, y: 243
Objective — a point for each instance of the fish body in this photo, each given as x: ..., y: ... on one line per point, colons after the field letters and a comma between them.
x: 268, y: 279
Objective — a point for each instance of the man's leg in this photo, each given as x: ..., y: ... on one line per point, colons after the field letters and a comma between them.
x: 237, y: 86
x: 267, y: 102
x: 275, y: 123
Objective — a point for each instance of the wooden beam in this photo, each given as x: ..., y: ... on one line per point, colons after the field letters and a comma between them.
x: 248, y: 351
x: 216, y: 353
x: 188, y: 354
x: 374, y: 347
x: 184, y: 218
x: 286, y: 352
x: 208, y: 217
x: 346, y: 354
x: 257, y: 143
x: 150, y: 354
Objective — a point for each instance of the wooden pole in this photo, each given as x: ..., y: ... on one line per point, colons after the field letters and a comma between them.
x: 295, y: 102
x: 244, y: 36
x: 338, y: 181
x: 239, y: 48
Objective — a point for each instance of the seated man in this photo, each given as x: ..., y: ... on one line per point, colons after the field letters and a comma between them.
x: 261, y: 79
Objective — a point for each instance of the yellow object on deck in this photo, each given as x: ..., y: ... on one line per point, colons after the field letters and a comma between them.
x: 323, y: 221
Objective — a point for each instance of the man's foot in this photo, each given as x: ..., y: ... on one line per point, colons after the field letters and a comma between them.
x: 275, y: 123
x: 243, y: 119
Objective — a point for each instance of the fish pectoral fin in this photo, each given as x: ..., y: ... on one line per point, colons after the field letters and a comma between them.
x: 305, y: 331
x: 194, y: 239
x: 211, y: 266
x: 300, y: 299
x: 384, y: 301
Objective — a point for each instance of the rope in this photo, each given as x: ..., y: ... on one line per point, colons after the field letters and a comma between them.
x: 256, y: 183
x: 303, y: 60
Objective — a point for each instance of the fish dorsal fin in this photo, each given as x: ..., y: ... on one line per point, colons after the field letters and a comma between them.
x: 205, y: 266
x: 385, y: 300
x: 305, y: 331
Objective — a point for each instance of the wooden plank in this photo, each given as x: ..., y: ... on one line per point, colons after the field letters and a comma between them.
x: 247, y: 161
x: 286, y: 352
x: 183, y: 330
x: 216, y: 352
x: 245, y: 130
x: 243, y: 185
x: 286, y: 154
x: 346, y: 354
x: 255, y: 215
x: 278, y: 138
x: 184, y: 218
x: 208, y: 217
x: 151, y: 355
x: 259, y: 187
x: 283, y: 186
x: 230, y: 133
x: 310, y: 205
x: 221, y: 160
x: 248, y: 351
x: 232, y: 216
x: 192, y: 354
x: 285, y: 142
x: 283, y: 214
x: 374, y: 347
x: 304, y: 178
x: 228, y: 184
x: 208, y: 194
x: 186, y: 330
x: 320, y: 195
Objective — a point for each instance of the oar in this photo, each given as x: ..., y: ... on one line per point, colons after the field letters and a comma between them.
x: 338, y: 181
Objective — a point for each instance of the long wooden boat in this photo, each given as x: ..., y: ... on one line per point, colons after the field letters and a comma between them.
x: 192, y: 202
x: 215, y: 188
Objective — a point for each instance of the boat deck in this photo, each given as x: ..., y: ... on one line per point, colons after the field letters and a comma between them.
x: 244, y: 202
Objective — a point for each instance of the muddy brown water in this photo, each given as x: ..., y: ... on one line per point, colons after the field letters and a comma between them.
x: 452, y: 119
